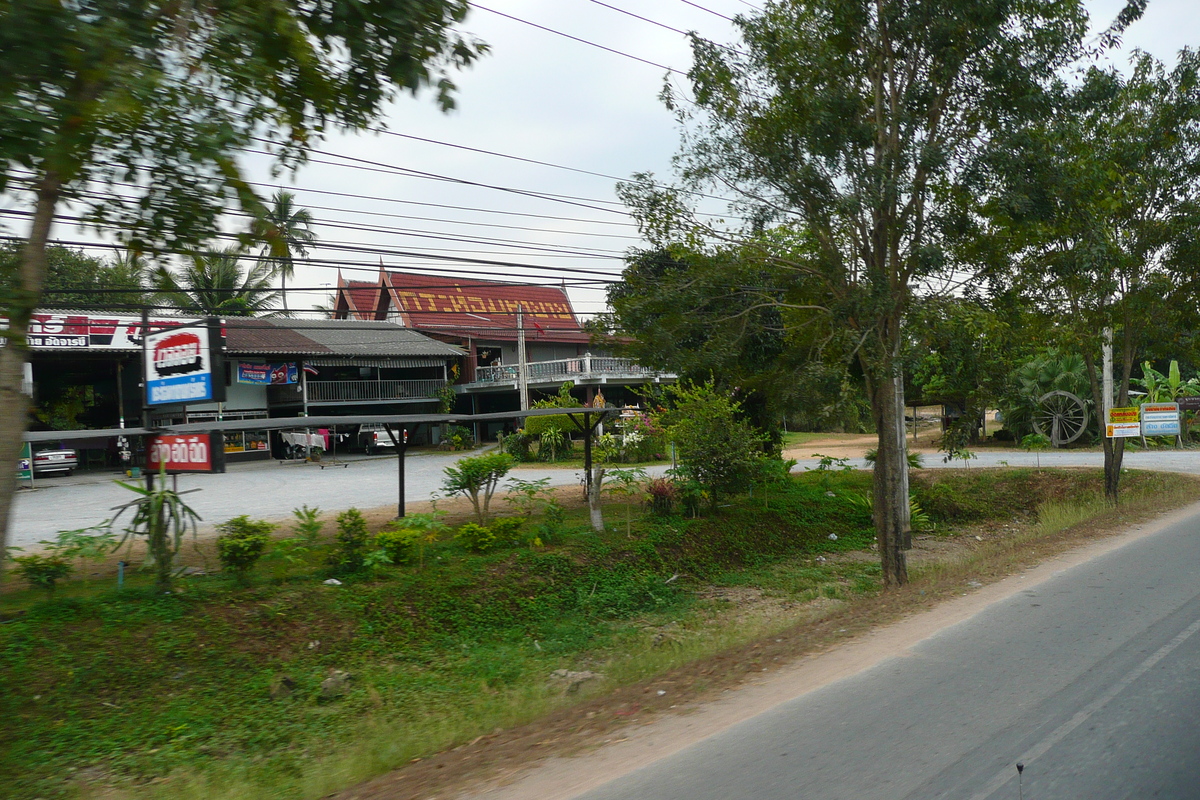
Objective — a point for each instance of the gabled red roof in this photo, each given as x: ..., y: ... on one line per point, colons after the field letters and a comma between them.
x: 481, y: 309
x: 361, y: 297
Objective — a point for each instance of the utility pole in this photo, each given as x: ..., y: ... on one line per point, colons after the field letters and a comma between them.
x: 522, y: 367
x: 1106, y: 350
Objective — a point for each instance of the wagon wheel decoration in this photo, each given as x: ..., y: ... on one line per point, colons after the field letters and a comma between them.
x: 1061, y: 416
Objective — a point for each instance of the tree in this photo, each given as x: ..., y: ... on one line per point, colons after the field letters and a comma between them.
x: 285, y: 232
x: 135, y: 111
x: 477, y: 478
x: 215, y: 283
x: 76, y: 279
x: 1101, y: 205
x: 851, y: 124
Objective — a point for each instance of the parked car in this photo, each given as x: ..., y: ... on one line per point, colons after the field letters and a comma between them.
x: 47, y: 462
x: 373, y: 437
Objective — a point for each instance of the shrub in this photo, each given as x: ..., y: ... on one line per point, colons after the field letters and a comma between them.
x: 507, y: 530
x: 716, y: 446
x: 476, y: 537
x: 419, y: 530
x: 241, y: 543
x: 44, y: 572
x: 398, y: 544
x: 350, y: 545
x: 458, y: 438
x: 519, y: 445
x: 663, y: 496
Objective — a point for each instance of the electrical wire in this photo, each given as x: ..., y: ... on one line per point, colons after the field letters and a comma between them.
x: 577, y: 39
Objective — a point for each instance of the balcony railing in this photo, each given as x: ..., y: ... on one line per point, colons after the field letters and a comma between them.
x: 363, y: 391
x: 564, y: 369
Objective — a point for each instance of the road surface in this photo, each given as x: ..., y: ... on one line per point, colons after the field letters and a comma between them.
x: 1090, y: 678
x: 270, y: 490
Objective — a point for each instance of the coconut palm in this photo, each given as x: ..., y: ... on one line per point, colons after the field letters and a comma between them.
x: 215, y: 283
x: 285, y: 232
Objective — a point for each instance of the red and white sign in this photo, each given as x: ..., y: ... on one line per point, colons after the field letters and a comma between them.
x: 179, y: 354
x: 191, y: 452
x: 49, y: 331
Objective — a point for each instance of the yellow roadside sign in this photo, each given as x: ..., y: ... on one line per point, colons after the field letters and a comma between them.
x: 1119, y: 415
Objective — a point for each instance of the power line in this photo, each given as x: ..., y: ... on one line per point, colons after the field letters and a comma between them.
x: 709, y: 10
x: 577, y: 39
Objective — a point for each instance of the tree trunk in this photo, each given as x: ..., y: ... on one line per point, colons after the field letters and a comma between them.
x: 892, y: 524
x: 593, y: 498
x: 14, y: 405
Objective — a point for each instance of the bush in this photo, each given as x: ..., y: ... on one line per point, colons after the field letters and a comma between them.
x: 241, y: 543
x: 478, y: 538
x: 716, y: 446
x: 350, y: 545
x: 519, y: 445
x: 458, y: 438
x: 507, y: 530
x: 398, y: 544
x: 663, y: 496
x: 44, y: 572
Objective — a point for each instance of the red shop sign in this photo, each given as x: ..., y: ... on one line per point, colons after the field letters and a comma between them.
x: 187, y: 452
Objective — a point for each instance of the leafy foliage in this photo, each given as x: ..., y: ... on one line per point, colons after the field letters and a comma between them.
x: 215, y: 283
x: 43, y: 572
x: 241, y: 543
x: 351, y: 544
x: 716, y: 447
x: 477, y: 479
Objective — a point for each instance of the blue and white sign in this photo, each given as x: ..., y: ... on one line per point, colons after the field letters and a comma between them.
x: 179, y: 366
x: 1160, y: 419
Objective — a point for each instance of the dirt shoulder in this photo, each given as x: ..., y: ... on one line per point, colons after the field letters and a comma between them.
x: 807, y: 645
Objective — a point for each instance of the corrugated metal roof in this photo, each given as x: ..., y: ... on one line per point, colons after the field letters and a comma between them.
x: 483, y: 309
x: 330, y: 337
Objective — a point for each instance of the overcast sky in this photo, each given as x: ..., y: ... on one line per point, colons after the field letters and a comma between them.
x: 539, y: 95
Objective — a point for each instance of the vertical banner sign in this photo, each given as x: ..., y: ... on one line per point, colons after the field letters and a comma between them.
x: 25, y: 464
x: 1123, y: 423
x: 188, y: 452
x: 180, y: 365
x: 1160, y: 419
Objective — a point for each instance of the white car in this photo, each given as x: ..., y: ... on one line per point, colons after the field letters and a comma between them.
x: 49, y: 462
x: 373, y: 437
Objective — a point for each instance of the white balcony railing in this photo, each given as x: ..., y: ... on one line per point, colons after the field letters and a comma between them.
x: 356, y: 391
x: 565, y: 369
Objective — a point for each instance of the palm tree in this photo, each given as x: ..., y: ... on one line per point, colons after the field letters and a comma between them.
x: 215, y: 284
x: 128, y: 270
x: 285, y: 232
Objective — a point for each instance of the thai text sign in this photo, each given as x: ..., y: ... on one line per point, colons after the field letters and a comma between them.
x: 1123, y: 430
x: 1160, y: 419
x: 179, y: 366
x: 191, y: 452
x: 25, y: 463
x: 1118, y: 415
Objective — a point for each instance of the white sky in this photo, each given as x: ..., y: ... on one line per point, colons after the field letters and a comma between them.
x: 538, y: 95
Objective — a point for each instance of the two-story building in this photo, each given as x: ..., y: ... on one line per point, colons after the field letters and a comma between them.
x: 492, y: 321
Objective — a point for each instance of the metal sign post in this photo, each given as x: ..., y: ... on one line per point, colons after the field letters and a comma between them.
x: 401, y: 444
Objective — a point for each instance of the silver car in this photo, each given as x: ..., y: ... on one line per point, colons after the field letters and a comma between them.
x: 48, y: 462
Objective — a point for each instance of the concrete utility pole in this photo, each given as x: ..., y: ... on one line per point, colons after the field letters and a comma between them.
x: 522, y: 367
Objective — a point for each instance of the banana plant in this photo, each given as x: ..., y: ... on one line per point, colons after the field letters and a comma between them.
x: 1166, y: 388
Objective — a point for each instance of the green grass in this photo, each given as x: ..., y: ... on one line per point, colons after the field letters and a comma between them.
x: 797, y: 438
x: 128, y: 688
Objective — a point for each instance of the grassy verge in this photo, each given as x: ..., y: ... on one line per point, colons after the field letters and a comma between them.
x: 216, y: 691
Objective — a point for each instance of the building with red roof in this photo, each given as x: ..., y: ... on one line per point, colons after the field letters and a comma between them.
x: 480, y: 316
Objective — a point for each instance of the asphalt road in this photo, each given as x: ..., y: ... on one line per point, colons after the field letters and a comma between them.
x: 1091, y: 679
